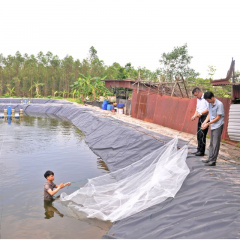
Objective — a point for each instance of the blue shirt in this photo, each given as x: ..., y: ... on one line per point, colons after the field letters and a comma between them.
x: 214, y: 110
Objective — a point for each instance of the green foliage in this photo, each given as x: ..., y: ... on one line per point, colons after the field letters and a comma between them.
x: 77, y: 100
x: 36, y: 85
x: 177, y: 62
x: 238, y: 144
x: 237, y: 74
x: 47, y: 75
x: 211, y: 71
x: 91, y: 87
x: 205, y: 85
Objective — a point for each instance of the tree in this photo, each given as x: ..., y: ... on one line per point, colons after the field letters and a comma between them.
x: 205, y: 85
x: 146, y: 74
x: 92, y: 87
x: 1, y: 74
x: 36, y: 85
x: 177, y: 62
x: 10, y: 91
x: 237, y: 74
x: 211, y: 71
x: 92, y: 53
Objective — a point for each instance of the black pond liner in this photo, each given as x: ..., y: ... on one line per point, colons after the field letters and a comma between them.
x: 206, y: 206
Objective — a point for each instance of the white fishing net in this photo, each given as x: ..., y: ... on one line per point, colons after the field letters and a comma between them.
x: 122, y: 193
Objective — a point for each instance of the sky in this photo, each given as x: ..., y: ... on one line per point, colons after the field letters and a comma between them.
x: 136, y: 31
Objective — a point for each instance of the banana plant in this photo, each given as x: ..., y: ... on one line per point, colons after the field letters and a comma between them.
x: 36, y: 85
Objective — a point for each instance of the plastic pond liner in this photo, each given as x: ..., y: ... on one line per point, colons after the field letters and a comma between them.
x: 206, y: 205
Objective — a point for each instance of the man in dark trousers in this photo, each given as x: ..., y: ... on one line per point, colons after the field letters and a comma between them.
x: 200, y: 114
x: 215, y: 118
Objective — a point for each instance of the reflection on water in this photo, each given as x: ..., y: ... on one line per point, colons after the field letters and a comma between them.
x: 27, y: 149
x: 50, y: 209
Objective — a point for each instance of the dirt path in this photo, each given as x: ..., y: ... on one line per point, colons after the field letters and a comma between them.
x: 227, y: 152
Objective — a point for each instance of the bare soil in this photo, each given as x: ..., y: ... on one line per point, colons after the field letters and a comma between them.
x: 227, y: 151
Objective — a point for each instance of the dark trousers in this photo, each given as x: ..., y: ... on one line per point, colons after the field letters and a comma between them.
x: 201, y: 135
x: 215, y: 144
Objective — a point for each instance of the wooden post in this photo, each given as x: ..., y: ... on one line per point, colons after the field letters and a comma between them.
x: 173, y: 88
x: 184, y: 84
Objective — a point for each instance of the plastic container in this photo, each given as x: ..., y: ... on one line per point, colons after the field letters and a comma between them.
x: 110, y: 107
x: 105, y: 102
x: 120, y: 111
x: 9, y: 111
x: 104, y: 106
x: 120, y: 105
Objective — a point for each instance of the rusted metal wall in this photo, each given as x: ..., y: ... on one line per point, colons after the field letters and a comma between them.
x: 226, y: 103
x: 236, y: 91
x: 171, y: 112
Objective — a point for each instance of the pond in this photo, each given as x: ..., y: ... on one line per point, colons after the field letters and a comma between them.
x: 28, y: 148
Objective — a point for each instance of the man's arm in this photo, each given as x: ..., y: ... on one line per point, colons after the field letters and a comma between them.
x: 195, y: 115
x: 204, y: 112
x: 64, y: 184
x: 198, y: 114
x: 58, y: 187
x: 206, y: 124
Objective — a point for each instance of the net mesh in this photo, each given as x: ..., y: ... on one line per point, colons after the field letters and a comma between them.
x: 122, y: 193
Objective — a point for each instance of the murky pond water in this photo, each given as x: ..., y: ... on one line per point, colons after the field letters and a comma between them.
x: 27, y: 149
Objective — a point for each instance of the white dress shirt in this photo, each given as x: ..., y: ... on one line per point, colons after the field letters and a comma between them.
x: 202, y: 105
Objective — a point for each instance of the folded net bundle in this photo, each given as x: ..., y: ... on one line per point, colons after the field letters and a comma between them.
x: 127, y: 191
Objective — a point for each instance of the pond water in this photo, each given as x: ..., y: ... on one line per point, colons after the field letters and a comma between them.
x: 28, y: 148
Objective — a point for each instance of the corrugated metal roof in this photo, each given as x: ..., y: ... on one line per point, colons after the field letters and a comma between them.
x: 234, y: 122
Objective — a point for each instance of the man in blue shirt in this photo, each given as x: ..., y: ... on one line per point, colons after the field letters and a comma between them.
x: 215, y: 118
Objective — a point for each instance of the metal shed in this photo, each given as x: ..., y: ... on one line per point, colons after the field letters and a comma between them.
x: 234, y: 122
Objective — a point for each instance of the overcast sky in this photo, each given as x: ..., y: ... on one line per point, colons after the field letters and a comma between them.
x: 136, y: 31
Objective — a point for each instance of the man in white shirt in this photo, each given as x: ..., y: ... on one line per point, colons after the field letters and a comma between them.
x: 200, y: 114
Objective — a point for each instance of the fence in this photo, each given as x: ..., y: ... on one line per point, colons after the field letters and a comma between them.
x: 171, y: 112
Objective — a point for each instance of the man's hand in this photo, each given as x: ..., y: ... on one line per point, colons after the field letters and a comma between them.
x: 205, y: 125
x: 67, y: 184
x: 61, y: 185
x: 193, y: 117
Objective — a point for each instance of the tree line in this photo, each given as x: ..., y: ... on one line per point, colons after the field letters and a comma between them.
x: 46, y: 75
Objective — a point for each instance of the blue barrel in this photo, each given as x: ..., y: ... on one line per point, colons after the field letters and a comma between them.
x: 105, y: 102
x: 120, y: 105
x: 9, y: 112
x: 104, y: 106
x: 110, y: 107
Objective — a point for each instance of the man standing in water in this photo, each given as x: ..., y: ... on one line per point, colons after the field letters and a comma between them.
x: 215, y: 118
x: 50, y: 185
x: 200, y: 113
